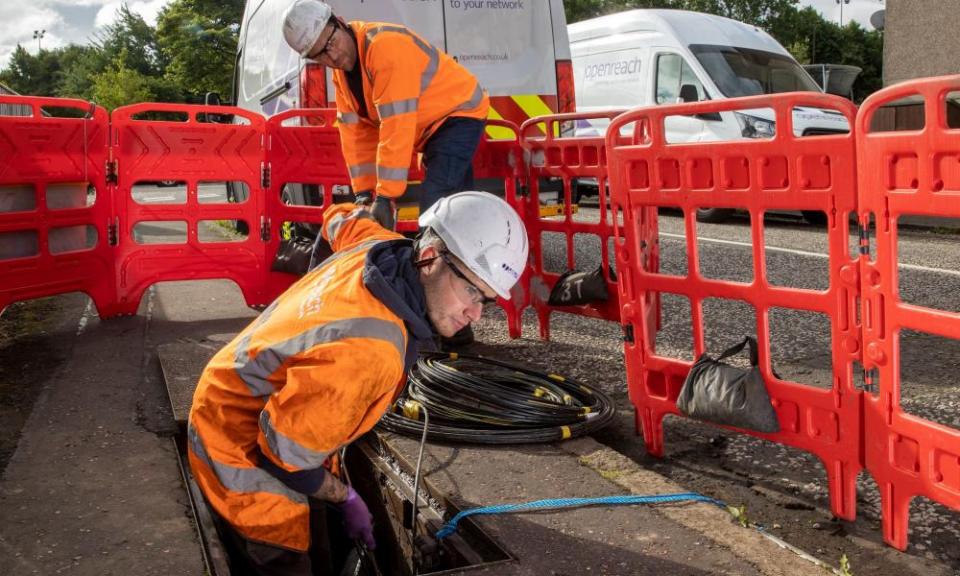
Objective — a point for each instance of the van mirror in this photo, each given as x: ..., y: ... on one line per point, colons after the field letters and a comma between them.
x: 688, y: 93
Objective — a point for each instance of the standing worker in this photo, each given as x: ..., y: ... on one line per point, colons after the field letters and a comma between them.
x: 320, y: 366
x: 395, y: 94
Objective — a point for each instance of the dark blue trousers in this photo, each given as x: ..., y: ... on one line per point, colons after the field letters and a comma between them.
x: 448, y: 159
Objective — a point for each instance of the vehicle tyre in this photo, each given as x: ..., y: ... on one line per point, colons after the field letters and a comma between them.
x: 714, y: 215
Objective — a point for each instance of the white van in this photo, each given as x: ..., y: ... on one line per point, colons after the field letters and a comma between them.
x: 649, y: 57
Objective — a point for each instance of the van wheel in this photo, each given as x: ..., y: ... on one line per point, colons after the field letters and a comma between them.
x: 714, y: 215
x: 815, y: 217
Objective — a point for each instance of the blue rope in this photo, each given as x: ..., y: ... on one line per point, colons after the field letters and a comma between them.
x: 451, y: 526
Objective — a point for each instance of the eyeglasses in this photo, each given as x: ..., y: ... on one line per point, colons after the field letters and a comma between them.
x: 474, y: 293
x: 327, y: 45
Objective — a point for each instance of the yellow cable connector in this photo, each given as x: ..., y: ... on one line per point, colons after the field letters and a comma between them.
x: 567, y: 399
x: 565, y: 431
x: 539, y: 392
x: 556, y: 377
x: 454, y: 355
x: 585, y: 410
x: 411, y: 409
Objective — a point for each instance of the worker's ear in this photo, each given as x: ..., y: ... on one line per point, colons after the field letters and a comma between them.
x: 428, y: 261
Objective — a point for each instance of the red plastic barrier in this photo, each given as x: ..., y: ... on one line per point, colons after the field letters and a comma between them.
x: 565, y: 160
x: 905, y: 173
x: 184, y: 145
x: 300, y: 154
x: 785, y: 172
x: 54, y: 202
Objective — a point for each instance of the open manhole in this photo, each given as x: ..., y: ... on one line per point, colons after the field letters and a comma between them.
x: 385, y: 480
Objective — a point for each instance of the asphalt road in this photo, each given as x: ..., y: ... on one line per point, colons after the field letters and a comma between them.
x: 785, y: 487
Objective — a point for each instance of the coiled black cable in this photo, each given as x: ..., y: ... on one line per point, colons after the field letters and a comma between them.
x: 484, y: 401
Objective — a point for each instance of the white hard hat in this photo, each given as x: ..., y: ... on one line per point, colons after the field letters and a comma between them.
x: 303, y: 22
x: 485, y: 233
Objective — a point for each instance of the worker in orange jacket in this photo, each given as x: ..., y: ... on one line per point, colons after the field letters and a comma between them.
x: 395, y: 94
x: 320, y: 366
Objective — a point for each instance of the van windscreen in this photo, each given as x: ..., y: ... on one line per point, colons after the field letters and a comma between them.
x: 747, y: 72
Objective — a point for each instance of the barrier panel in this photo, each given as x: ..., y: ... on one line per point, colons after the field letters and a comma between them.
x: 913, y: 172
x: 304, y: 168
x: 569, y: 160
x: 54, y: 203
x: 783, y: 172
x: 184, y: 235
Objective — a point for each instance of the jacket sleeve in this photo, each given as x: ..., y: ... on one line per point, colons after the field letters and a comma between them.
x: 345, y: 225
x: 358, y: 139
x: 398, y: 67
x: 327, y: 403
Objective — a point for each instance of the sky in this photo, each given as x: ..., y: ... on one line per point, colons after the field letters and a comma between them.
x: 75, y: 21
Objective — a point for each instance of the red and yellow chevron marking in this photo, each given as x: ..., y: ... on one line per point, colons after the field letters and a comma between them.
x: 518, y: 109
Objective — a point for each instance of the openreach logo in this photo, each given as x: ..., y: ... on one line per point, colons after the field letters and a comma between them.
x: 611, y: 69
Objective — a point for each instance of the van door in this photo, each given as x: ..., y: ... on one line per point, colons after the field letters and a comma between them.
x: 675, y: 82
x: 509, y: 46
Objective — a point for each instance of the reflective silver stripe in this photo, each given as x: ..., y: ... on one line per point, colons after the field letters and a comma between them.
x: 430, y: 71
x: 399, y: 107
x: 241, y: 479
x: 348, y: 118
x: 338, y: 255
x: 358, y: 170
x: 287, y: 450
x: 474, y: 100
x: 384, y: 173
x: 257, y: 388
x: 268, y: 360
x: 333, y: 227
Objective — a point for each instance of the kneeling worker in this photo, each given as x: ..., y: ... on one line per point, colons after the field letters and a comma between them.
x: 324, y: 361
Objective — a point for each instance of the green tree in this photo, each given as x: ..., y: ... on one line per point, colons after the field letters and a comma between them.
x: 134, y: 41
x: 756, y: 12
x: 120, y: 85
x: 78, y: 67
x: 198, y: 39
x: 32, y: 75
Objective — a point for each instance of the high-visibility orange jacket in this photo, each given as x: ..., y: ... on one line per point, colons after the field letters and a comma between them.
x: 409, y: 89
x: 313, y: 372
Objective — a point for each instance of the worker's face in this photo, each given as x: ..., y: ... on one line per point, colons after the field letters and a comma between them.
x: 455, y: 295
x: 334, y: 48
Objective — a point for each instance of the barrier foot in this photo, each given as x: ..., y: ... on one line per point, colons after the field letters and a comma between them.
x: 651, y: 425
x: 896, y: 516
x: 842, y: 484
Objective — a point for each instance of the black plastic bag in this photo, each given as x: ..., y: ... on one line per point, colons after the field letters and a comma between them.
x: 576, y: 288
x: 723, y: 394
x: 294, y: 255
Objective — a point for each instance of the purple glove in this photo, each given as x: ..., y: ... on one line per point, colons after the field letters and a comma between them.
x: 357, y: 518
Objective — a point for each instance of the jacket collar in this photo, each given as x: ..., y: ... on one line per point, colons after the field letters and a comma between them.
x: 391, y: 277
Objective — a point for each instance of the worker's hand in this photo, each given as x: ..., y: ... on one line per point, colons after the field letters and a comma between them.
x: 357, y: 518
x: 384, y: 211
x: 363, y: 198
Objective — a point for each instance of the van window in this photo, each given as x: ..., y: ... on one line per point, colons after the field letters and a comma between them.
x: 267, y: 61
x: 672, y: 73
x: 747, y: 72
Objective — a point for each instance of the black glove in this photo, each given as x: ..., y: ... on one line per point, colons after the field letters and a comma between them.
x: 384, y: 212
x: 363, y: 198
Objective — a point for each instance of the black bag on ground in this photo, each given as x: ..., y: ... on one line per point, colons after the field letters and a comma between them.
x: 576, y: 288
x: 293, y: 255
x: 723, y: 394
